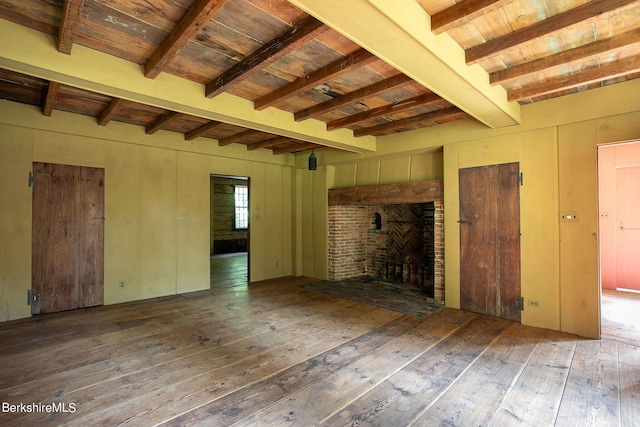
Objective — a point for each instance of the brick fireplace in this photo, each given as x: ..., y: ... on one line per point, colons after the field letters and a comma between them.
x: 391, y: 232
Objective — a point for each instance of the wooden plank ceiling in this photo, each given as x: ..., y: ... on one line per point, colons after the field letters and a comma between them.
x: 275, y: 55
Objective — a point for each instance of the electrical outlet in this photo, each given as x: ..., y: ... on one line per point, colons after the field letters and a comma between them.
x: 534, y: 303
x: 569, y: 216
x: 121, y: 284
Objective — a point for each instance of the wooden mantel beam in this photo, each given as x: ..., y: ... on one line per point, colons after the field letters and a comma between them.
x: 416, y: 192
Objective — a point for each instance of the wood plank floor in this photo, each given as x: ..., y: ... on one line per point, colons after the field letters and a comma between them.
x: 271, y: 353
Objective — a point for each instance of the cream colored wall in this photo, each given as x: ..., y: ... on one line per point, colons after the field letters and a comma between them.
x: 156, y: 203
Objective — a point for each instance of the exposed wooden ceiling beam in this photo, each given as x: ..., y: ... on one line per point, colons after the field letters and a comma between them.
x: 111, y: 111
x: 407, y: 43
x: 461, y: 13
x: 69, y: 24
x: 418, y: 101
x: 161, y: 122
x: 201, y: 130
x: 337, y: 68
x: 615, y: 69
x: 192, y: 23
x: 50, y: 98
x: 299, y: 34
x: 579, y: 53
x: 556, y: 23
x: 269, y: 143
x: 446, y: 113
x: 294, y: 148
x: 237, y: 137
x: 352, y: 97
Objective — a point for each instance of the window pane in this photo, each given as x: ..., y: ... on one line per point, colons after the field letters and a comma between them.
x: 242, y: 206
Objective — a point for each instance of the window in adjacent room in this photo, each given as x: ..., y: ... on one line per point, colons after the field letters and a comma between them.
x: 242, y: 206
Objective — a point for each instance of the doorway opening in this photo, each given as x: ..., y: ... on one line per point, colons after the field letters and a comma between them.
x: 619, y: 239
x: 229, y: 228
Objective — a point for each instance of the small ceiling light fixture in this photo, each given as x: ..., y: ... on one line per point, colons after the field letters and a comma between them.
x: 313, y: 161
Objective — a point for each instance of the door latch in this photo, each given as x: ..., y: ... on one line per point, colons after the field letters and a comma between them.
x: 32, y: 296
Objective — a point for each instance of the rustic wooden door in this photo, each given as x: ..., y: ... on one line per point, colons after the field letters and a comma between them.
x: 628, y: 228
x: 490, y: 240
x: 67, y: 237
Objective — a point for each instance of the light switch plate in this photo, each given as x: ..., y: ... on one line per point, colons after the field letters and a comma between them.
x: 569, y: 216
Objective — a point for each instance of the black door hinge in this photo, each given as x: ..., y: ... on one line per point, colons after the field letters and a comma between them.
x: 521, y: 179
x: 519, y: 305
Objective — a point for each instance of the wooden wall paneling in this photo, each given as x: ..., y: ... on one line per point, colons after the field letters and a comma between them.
x: 123, y: 228
x: 276, y: 220
x: 193, y: 222
x: 158, y: 222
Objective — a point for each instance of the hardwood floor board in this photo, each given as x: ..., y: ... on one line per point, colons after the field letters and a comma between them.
x: 477, y: 394
x: 150, y: 346
x: 535, y: 398
x: 184, y: 353
x: 354, y: 379
x: 51, y: 328
x: 179, y: 397
x: 272, y: 351
x: 592, y: 395
x: 621, y: 316
x: 244, y: 402
x: 629, y: 364
x: 408, y: 393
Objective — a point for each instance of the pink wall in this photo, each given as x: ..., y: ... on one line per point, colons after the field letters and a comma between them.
x: 611, y: 157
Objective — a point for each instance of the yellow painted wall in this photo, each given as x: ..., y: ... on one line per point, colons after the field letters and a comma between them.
x: 312, y: 242
x: 556, y: 146
x: 536, y: 153
x: 156, y: 203
x: 579, y: 274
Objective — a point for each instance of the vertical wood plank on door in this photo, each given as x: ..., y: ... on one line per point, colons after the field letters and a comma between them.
x: 508, y: 230
x: 474, y: 235
x: 54, y: 238
x: 91, y: 235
